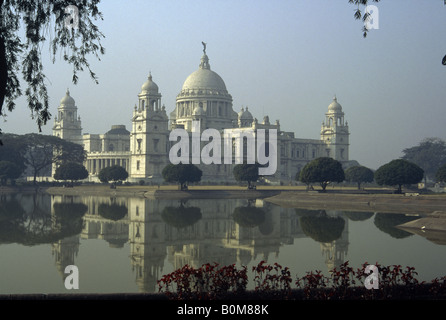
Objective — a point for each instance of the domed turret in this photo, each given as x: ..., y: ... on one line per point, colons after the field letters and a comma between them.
x: 149, y: 97
x: 245, y: 115
x: 67, y: 124
x: 67, y: 100
x: 245, y: 118
x: 149, y: 86
x: 335, y: 106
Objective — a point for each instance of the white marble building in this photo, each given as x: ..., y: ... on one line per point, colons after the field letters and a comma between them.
x: 144, y: 151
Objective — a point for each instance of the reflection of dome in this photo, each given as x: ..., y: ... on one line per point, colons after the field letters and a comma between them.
x: 335, y: 106
x: 116, y: 243
x: 67, y: 100
x: 150, y: 86
x: 204, y: 79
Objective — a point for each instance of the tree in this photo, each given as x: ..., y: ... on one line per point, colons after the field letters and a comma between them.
x: 182, y: 174
x: 114, y: 173
x: 42, y: 151
x: 71, y: 30
x: 71, y: 171
x: 38, y: 152
x: 359, y: 174
x: 322, y: 170
x: 441, y: 174
x: 9, y: 170
x: 430, y: 154
x: 247, y: 172
x: 12, y: 150
x: 398, y: 172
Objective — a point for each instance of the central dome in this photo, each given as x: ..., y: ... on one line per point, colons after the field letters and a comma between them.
x: 204, y: 95
x: 204, y: 79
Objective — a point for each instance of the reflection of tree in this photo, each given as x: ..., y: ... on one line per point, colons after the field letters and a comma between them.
x: 12, y: 216
x: 181, y: 217
x: 112, y: 211
x: 321, y: 227
x: 39, y: 226
x: 248, y: 216
x: 387, y: 222
x: 306, y: 212
x: 10, y: 210
x: 267, y: 227
x: 68, y: 217
x: 358, y: 216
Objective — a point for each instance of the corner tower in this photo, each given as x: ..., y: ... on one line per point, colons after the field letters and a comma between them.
x: 149, y: 136
x: 67, y: 124
x: 335, y: 133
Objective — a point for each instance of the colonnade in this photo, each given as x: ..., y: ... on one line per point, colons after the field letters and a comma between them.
x: 95, y: 165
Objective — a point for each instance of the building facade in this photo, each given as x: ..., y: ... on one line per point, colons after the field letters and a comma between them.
x: 203, y: 99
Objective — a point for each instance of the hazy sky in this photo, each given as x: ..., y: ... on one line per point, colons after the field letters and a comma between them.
x: 285, y: 59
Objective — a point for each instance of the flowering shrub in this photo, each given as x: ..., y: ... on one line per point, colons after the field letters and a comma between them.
x: 211, y: 281
x: 277, y: 283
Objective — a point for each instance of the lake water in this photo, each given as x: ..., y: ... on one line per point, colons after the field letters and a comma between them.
x: 124, y: 245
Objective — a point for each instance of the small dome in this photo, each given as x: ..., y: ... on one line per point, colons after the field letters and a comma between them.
x: 67, y: 100
x: 245, y: 114
x: 335, y: 106
x: 150, y: 86
x: 118, y: 129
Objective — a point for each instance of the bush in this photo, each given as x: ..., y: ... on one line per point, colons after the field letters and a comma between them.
x: 114, y: 173
x: 211, y: 282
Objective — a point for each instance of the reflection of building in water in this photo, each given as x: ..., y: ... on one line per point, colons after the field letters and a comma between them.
x: 113, y: 229
x: 64, y: 251
x: 147, y: 237
x: 154, y: 237
x: 336, y: 250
